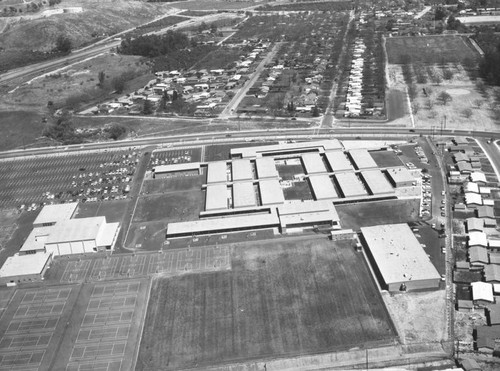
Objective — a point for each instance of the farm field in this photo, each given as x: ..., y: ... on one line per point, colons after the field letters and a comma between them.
x: 279, y: 299
x: 65, y: 177
x: 429, y: 49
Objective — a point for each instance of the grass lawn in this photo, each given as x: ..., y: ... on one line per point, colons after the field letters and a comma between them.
x: 171, y: 207
x: 15, y: 228
x: 386, y: 158
x: 19, y: 128
x: 299, y: 191
x: 166, y: 185
x: 366, y: 214
x: 279, y: 299
x: 147, y: 236
x: 112, y: 210
x: 429, y: 49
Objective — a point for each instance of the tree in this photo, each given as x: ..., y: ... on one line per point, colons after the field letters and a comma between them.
x: 439, y: 14
x: 147, y: 107
x: 63, y: 44
x: 478, y: 103
x: 101, y: 76
x: 415, y: 107
x: 467, y: 113
x: 444, y: 97
x: 119, y: 84
x: 115, y: 131
x: 315, y: 111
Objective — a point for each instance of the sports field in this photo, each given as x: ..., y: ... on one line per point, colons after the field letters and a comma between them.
x: 279, y: 299
x: 429, y: 49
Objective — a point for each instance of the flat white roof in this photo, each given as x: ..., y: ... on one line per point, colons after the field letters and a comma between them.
x: 216, y: 197
x: 56, y: 213
x: 313, y: 163
x: 338, y: 161
x: 257, y: 151
x: 36, y: 239
x: 76, y: 230
x: 21, y: 265
x: 217, y: 172
x: 307, y: 212
x: 377, y: 182
x: 271, y: 192
x: 350, y: 185
x: 400, y: 174
x: 398, y: 253
x: 177, y: 167
x: 322, y: 187
x: 243, y: 194
x: 215, y: 225
x: 242, y: 170
x: 266, y: 168
x: 107, y: 234
x: 362, y: 159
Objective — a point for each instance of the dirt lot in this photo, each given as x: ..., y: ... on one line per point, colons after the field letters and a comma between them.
x: 279, y: 299
x: 213, y: 5
x: 418, y: 316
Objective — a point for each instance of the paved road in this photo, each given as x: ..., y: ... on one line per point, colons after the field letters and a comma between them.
x: 271, y: 134
x: 231, y: 107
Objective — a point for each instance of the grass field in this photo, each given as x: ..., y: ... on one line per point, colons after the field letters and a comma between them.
x: 429, y: 49
x: 213, y: 5
x: 174, y: 206
x: 166, y: 185
x: 279, y: 299
x: 367, y: 214
x: 19, y: 128
x: 386, y: 158
x: 112, y: 210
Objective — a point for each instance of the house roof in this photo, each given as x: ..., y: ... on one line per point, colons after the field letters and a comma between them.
x: 478, y: 254
x: 482, y: 291
x: 313, y: 163
x: 471, y: 187
x: 338, y: 161
x: 216, y: 197
x: 362, y: 159
x: 377, y: 182
x: 477, y: 176
x: 485, y: 212
x: 478, y: 238
x: 322, y: 187
x: 473, y: 199
x: 486, y: 336
x: 350, y: 185
x: 492, y: 272
x: 475, y: 224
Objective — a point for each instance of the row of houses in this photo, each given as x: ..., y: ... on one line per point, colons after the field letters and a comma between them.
x: 481, y: 272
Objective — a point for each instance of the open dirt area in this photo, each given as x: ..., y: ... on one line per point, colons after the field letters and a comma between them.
x: 278, y: 299
x: 418, y: 316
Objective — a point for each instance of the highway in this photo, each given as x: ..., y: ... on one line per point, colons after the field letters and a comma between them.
x: 251, y: 135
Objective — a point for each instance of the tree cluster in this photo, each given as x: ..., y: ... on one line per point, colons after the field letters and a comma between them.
x: 154, y: 45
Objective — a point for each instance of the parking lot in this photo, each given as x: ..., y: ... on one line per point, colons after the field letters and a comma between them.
x: 29, y: 182
x: 175, y: 156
